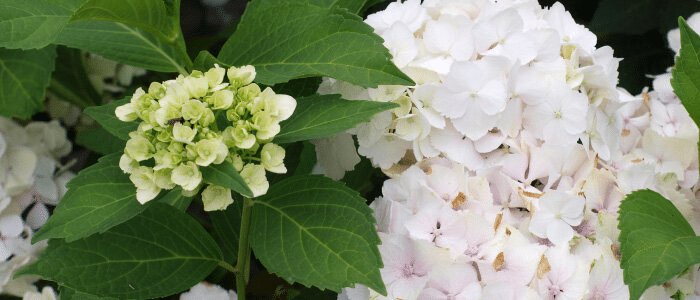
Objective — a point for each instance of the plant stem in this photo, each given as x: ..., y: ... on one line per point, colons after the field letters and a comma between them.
x: 243, y: 263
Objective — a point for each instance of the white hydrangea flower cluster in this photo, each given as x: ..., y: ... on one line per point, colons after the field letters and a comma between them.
x: 488, y: 74
x: 207, y: 291
x: 31, y: 179
x: 107, y: 77
x: 198, y: 120
x: 534, y: 214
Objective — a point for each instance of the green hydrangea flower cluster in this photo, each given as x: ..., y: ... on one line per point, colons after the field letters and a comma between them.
x: 180, y: 130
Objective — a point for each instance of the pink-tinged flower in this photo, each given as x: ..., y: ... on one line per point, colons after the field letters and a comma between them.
x: 472, y: 94
x: 557, y: 212
x: 406, y: 267
x: 567, y: 277
x: 605, y: 281
x: 437, y: 223
x: 452, y: 282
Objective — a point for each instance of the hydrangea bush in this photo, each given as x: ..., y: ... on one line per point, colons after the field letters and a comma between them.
x: 507, y: 161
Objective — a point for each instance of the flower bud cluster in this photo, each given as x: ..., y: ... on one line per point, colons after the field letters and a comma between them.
x: 198, y: 120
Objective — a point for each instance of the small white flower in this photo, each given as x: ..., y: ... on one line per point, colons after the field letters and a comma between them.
x: 557, y: 212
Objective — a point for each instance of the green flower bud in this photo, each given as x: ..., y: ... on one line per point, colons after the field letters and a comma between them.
x: 248, y: 93
x: 254, y: 177
x: 215, y: 76
x: 162, y: 178
x: 139, y: 148
x: 221, y: 99
x: 164, y: 136
x: 191, y: 193
x: 192, y: 110
x: 126, y: 112
x: 207, y: 118
x: 227, y: 137
x: 232, y: 116
x: 216, y: 197
x: 272, y: 157
x: 190, y: 152
x: 242, y: 76
x: 156, y: 90
x: 243, y: 138
x: 279, y: 106
x: 187, y: 176
x: 197, y: 87
x: 166, y: 159
x: 144, y: 180
x: 210, y: 151
x: 175, y: 90
x: 183, y: 134
x: 237, y: 162
x: 136, y: 97
x: 128, y: 164
x: 265, y: 125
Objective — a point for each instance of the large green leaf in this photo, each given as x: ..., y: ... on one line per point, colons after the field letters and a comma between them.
x: 99, y: 198
x: 69, y: 81
x: 640, y: 16
x: 686, y: 74
x: 291, y: 40
x: 323, y: 116
x: 354, y: 6
x: 160, y: 252
x: 100, y: 141
x: 227, y: 227
x: 126, y: 44
x: 108, y: 119
x: 67, y: 293
x: 226, y: 175
x: 656, y: 242
x: 34, y: 24
x: 316, y: 231
x: 149, y: 15
x: 24, y: 76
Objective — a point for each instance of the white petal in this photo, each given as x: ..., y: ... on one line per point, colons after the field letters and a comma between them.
x: 559, y: 232
x: 37, y: 216
x: 11, y: 226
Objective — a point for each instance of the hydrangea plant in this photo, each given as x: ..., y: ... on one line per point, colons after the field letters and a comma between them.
x: 498, y: 154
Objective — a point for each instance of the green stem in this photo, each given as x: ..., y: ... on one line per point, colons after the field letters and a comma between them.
x: 226, y: 266
x: 243, y: 263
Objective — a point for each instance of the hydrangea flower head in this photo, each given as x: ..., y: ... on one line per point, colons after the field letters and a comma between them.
x: 200, y: 120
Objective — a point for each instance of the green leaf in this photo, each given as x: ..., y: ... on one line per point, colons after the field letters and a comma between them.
x: 686, y: 74
x: 227, y: 227
x: 353, y: 6
x: 24, y: 76
x: 291, y: 40
x: 69, y: 81
x: 323, y: 116
x: 205, y: 61
x: 158, y: 253
x: 226, y: 175
x: 67, y: 293
x: 297, y: 88
x: 100, y: 141
x: 99, y: 198
x: 316, y: 231
x: 656, y: 242
x: 34, y: 24
x: 126, y: 44
x: 639, y: 16
x: 105, y: 116
x: 149, y: 15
